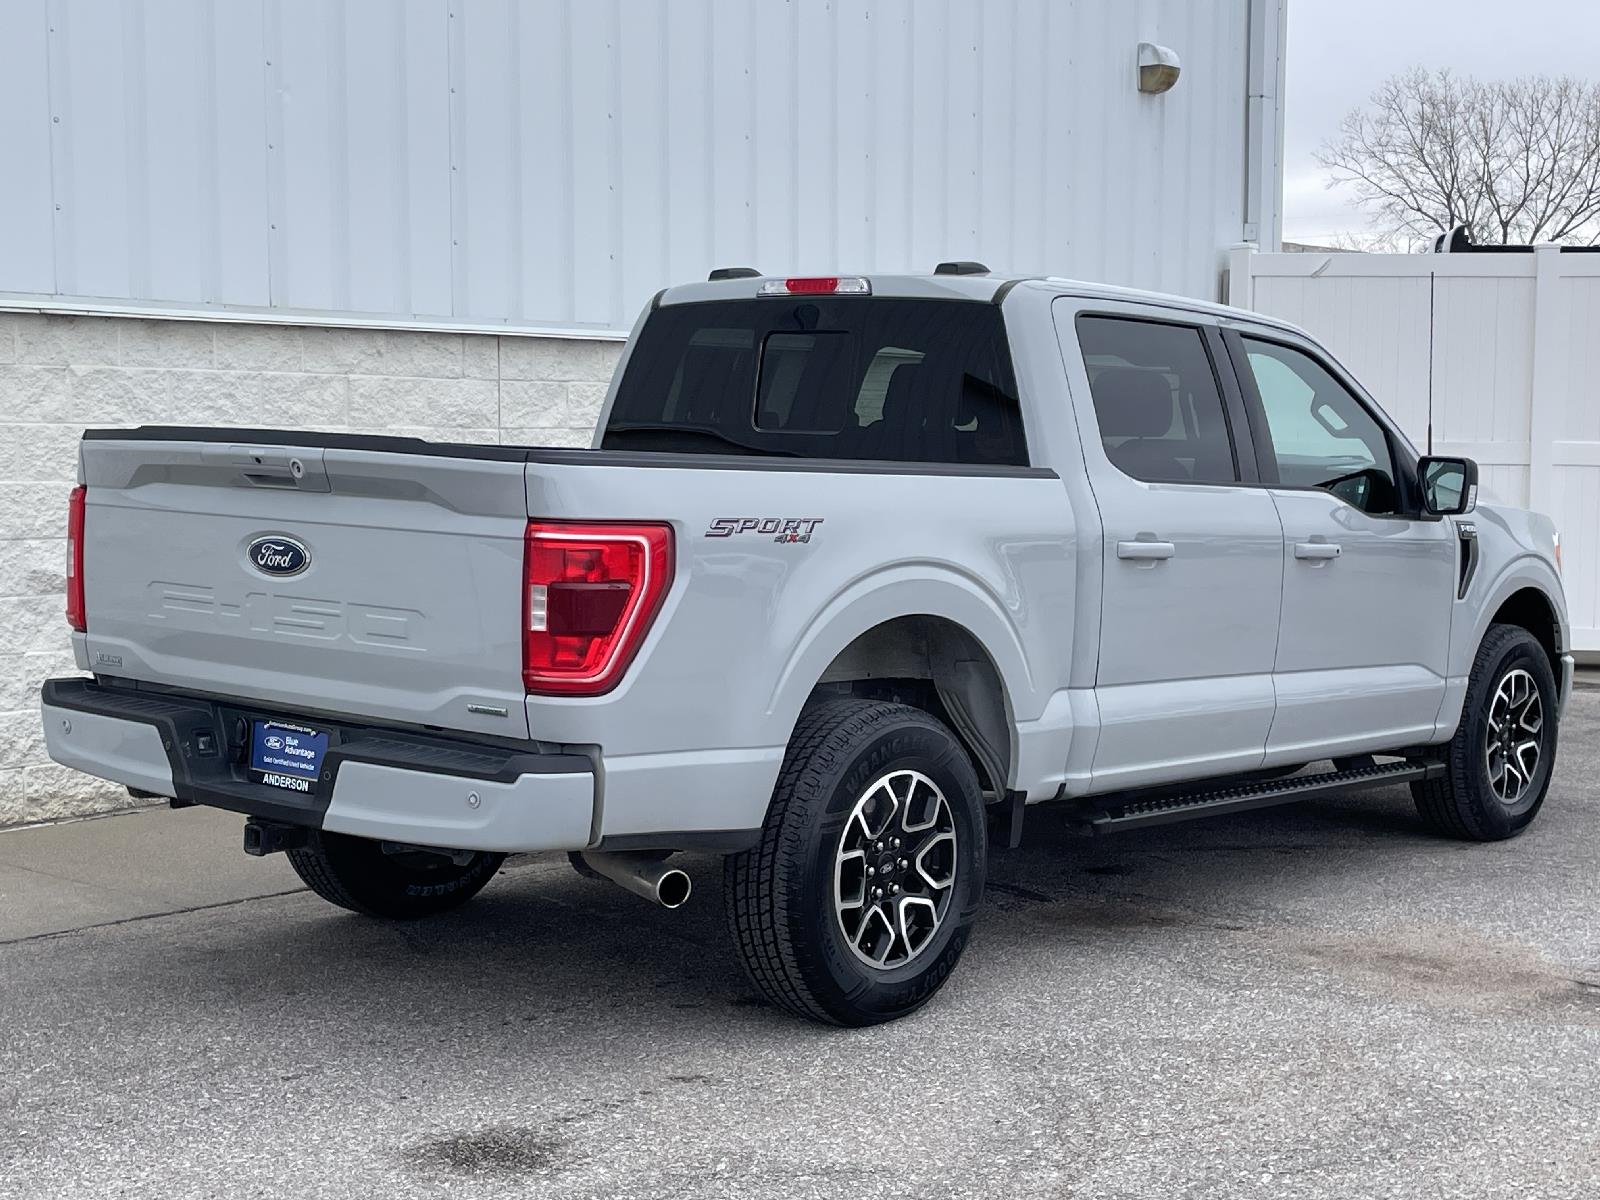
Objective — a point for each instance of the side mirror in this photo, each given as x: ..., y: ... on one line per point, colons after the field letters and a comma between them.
x: 1449, y: 485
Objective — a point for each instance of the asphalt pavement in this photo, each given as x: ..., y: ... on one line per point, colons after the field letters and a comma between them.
x: 1315, y: 1001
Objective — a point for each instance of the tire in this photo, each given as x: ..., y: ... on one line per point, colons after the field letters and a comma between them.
x: 1473, y: 800
x: 804, y: 930
x: 402, y: 884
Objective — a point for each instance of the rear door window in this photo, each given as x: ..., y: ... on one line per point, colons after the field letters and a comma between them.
x: 899, y: 380
x: 1157, y: 401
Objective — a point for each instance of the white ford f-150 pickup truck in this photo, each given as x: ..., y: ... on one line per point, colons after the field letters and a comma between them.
x: 855, y: 571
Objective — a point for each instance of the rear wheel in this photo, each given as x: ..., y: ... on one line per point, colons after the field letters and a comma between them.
x: 383, y: 879
x: 858, y: 901
x: 1498, y: 764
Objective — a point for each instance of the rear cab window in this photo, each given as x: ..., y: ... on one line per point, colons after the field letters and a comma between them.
x: 868, y: 378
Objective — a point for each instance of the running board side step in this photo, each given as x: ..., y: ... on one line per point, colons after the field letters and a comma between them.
x: 1142, y: 810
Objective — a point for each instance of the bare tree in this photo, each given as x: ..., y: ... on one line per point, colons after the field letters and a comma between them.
x: 1517, y: 161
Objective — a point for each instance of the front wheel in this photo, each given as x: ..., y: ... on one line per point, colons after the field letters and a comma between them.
x: 1498, y: 764
x: 382, y: 879
x: 858, y: 901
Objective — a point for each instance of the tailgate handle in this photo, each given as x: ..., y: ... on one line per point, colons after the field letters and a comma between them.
x: 272, y: 477
x: 274, y: 466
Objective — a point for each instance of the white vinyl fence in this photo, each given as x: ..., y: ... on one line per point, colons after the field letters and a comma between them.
x: 1492, y: 356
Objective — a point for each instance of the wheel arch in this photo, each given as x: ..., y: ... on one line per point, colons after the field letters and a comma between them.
x: 935, y: 664
x: 1526, y: 593
x: 1530, y: 608
x: 943, y: 632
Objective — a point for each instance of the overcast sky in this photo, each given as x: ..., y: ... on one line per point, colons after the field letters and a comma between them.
x: 1340, y: 50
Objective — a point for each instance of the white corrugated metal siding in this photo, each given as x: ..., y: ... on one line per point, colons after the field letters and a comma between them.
x: 554, y: 162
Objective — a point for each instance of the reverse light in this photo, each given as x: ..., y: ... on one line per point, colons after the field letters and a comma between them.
x: 75, y: 606
x: 590, y: 593
x: 820, y: 285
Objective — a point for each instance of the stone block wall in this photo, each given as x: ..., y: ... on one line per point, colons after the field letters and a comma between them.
x: 59, y: 374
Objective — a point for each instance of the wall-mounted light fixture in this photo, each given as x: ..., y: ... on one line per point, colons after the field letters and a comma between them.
x: 1159, y: 68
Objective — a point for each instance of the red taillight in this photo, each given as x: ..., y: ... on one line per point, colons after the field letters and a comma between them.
x: 75, y: 613
x: 589, y: 594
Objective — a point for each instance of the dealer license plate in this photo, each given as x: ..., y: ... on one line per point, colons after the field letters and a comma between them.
x: 287, y: 756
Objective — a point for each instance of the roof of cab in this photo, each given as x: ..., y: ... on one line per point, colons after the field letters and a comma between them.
x: 973, y: 287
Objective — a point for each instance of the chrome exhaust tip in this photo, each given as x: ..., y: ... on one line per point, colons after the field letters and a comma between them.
x: 674, y: 888
x: 642, y: 875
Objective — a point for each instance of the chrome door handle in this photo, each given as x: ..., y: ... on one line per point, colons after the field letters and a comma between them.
x: 1316, y: 550
x: 1145, y: 551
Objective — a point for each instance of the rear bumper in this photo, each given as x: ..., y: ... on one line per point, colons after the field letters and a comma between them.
x: 420, y: 788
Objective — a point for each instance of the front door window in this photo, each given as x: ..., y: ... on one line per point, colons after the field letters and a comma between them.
x: 1321, y: 435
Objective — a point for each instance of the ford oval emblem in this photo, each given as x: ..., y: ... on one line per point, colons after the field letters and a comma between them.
x: 278, y: 555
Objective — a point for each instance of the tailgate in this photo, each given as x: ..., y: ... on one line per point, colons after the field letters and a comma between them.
x: 315, y: 576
